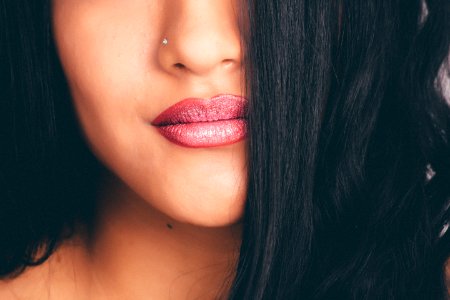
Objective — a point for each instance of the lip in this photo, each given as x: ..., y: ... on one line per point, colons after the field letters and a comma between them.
x: 201, y: 123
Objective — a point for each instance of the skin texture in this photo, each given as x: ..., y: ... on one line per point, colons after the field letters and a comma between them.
x: 168, y: 224
x: 122, y: 77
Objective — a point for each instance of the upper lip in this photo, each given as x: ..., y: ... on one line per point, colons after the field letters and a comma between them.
x: 193, y: 110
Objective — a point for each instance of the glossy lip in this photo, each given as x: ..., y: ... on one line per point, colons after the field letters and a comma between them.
x: 200, y: 123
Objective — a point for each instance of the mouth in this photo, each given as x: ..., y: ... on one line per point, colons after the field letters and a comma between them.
x: 201, y: 123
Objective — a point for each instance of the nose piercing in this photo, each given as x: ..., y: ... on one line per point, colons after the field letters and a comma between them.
x: 165, y: 41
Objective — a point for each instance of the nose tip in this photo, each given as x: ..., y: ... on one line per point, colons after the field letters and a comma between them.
x: 200, y: 55
x: 201, y: 44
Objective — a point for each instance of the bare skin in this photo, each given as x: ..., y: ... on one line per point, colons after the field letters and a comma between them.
x: 131, y: 257
x: 169, y: 216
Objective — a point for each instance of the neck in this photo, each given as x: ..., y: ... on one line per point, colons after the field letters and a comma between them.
x: 139, y: 253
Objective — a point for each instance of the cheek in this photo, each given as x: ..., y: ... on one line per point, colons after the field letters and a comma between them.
x: 92, y: 52
x: 106, y: 47
x: 104, y: 53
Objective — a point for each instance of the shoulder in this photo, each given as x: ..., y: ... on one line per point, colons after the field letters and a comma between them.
x: 32, y: 282
x: 60, y: 277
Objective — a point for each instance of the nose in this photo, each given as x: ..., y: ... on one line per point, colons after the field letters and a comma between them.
x: 200, y: 37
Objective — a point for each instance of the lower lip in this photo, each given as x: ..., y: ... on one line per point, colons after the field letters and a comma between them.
x: 206, y: 134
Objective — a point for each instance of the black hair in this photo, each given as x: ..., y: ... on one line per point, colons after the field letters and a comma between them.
x: 346, y: 120
x: 47, y: 175
x: 349, y: 160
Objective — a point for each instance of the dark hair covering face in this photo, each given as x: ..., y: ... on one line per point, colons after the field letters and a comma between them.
x: 346, y: 120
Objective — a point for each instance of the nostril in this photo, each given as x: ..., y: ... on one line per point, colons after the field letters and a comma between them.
x: 228, y: 63
x: 179, y: 66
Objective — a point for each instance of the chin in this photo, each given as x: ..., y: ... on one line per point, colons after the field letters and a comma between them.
x: 209, y: 212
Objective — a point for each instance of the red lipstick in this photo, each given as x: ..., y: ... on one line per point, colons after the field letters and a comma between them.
x: 201, y: 123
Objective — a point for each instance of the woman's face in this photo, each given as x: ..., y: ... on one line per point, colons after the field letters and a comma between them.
x: 183, y: 162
